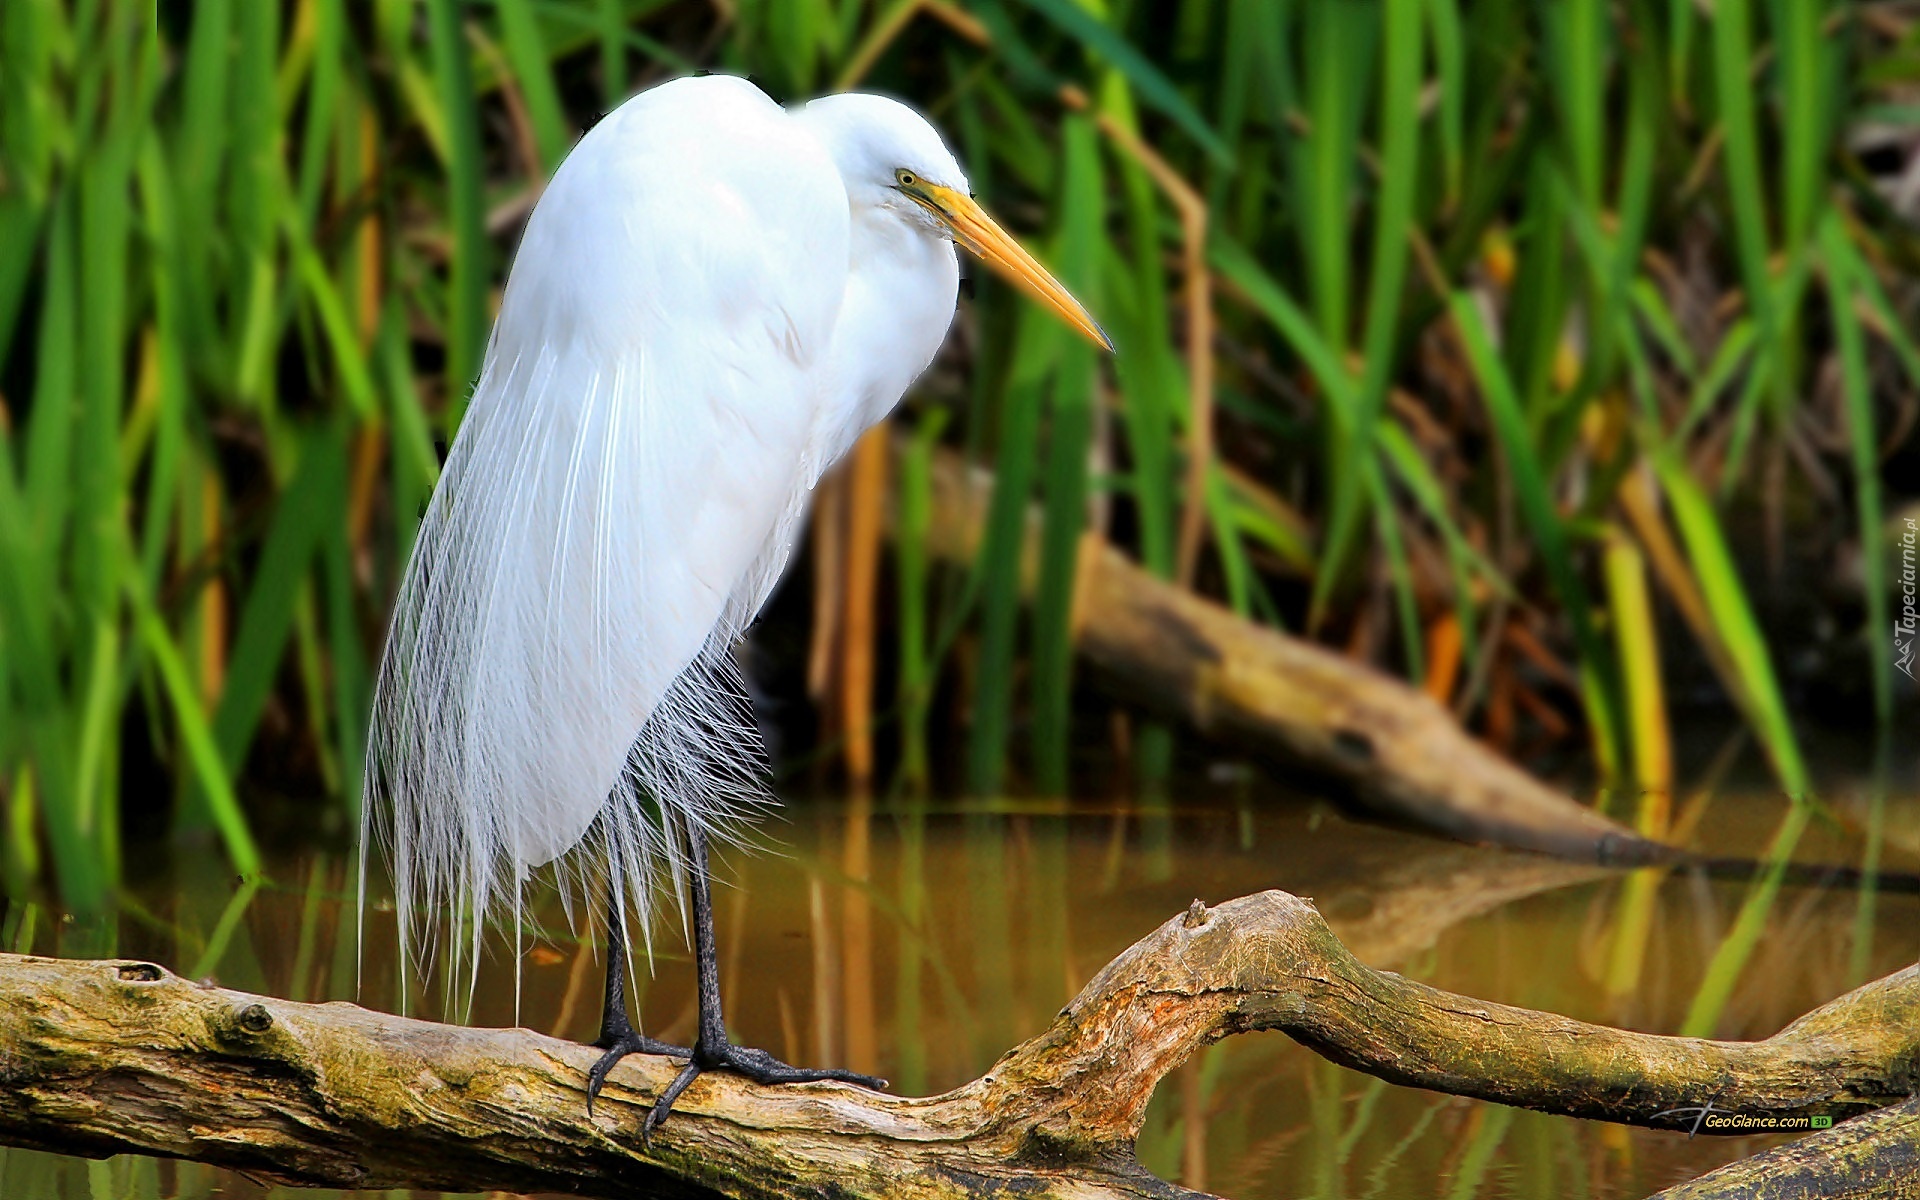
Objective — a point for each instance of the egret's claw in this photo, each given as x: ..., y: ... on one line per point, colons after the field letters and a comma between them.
x: 762, y: 1067
x: 617, y: 1046
x: 756, y: 1065
x: 663, y: 1103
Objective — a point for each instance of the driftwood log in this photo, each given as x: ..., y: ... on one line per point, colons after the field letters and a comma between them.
x: 104, y: 1057
x: 1385, y: 747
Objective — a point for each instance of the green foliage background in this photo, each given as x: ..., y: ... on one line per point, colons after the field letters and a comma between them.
x: 1500, y: 308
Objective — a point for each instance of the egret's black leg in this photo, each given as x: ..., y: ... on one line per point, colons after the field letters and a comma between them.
x: 713, y: 1052
x: 617, y: 1035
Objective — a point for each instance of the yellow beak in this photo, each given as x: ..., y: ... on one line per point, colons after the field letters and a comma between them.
x: 980, y: 233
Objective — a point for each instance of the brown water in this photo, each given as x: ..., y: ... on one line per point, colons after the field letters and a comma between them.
x: 921, y: 942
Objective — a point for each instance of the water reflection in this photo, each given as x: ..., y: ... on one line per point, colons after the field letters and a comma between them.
x: 920, y: 941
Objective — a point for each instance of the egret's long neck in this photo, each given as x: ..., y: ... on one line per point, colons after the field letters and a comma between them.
x: 901, y: 288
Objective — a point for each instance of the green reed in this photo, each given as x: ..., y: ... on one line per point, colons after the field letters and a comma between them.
x: 248, y: 254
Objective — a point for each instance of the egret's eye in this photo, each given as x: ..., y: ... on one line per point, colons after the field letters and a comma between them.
x: 904, y: 178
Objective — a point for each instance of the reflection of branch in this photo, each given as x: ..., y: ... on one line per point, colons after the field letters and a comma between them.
x: 103, y: 1057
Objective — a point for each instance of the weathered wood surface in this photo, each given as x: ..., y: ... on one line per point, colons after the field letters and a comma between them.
x: 1383, y: 745
x: 103, y: 1057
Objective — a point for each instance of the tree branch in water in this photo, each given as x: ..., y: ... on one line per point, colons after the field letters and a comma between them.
x: 105, y: 1057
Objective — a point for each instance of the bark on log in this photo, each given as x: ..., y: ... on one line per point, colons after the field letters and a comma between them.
x: 104, y: 1057
x: 1386, y: 746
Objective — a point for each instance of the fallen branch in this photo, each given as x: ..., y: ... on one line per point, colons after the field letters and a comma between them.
x: 1386, y: 746
x: 104, y: 1057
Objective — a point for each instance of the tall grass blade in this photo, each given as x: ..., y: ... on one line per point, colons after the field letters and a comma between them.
x: 1399, y: 122
x: 1857, y: 389
x: 1746, y: 646
x: 1536, y: 503
x: 1065, y: 491
x: 1000, y: 563
x: 471, y: 265
x: 196, y: 736
x: 527, y: 51
x: 1154, y: 88
x: 266, y: 616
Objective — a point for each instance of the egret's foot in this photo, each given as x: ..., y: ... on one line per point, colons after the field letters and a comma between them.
x: 618, y: 1043
x: 756, y: 1065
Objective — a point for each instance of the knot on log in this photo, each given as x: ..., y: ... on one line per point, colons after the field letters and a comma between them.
x: 248, y: 1023
x: 1082, y: 1088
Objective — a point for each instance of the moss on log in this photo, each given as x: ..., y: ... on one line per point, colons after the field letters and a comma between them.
x: 104, y: 1057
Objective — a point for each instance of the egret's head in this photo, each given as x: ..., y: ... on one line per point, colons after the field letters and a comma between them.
x: 892, y: 159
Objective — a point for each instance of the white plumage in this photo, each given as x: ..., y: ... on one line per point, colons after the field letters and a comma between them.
x: 712, y: 300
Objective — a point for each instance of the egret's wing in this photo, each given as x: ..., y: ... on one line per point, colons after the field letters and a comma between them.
x: 637, y: 438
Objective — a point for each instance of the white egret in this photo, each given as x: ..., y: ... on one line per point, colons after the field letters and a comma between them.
x: 712, y: 300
